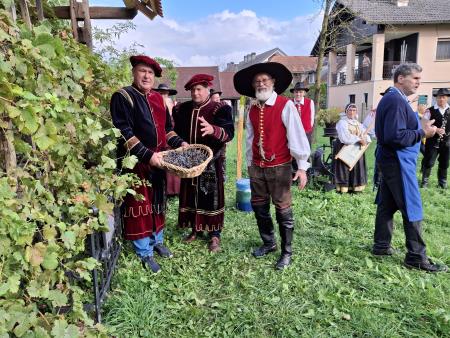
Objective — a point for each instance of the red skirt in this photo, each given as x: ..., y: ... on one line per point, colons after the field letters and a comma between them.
x: 202, y: 200
x: 140, y: 218
x: 173, y: 185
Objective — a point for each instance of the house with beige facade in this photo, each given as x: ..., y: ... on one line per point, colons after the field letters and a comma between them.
x: 380, y: 35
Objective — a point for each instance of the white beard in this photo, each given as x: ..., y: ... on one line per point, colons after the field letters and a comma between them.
x: 263, y: 95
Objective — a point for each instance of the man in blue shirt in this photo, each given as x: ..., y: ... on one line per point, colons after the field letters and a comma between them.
x: 399, y: 133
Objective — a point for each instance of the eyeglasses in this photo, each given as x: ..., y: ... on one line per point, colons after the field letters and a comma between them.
x: 262, y: 81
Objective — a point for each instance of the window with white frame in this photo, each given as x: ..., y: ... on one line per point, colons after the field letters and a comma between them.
x: 443, y: 49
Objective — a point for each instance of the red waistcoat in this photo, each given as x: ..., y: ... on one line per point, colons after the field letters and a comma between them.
x: 158, y: 112
x: 270, y: 143
x: 305, y: 114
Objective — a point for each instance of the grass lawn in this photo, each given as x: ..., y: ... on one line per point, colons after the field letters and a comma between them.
x: 334, y: 288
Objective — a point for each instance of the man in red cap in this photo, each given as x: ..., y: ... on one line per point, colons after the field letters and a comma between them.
x: 275, y: 136
x: 144, y: 122
x: 202, y: 201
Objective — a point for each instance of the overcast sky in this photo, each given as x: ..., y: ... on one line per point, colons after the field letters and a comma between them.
x: 214, y: 32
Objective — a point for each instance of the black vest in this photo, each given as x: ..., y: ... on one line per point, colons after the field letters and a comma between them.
x: 438, y: 118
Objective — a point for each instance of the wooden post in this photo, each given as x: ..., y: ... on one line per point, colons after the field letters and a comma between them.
x: 240, y: 134
x: 13, y: 11
x: 87, y: 29
x: 40, y: 10
x: 8, y: 159
x: 73, y: 19
x: 25, y: 13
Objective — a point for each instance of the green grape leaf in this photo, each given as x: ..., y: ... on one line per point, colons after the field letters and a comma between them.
x: 50, y: 261
x: 129, y: 162
x: 57, y: 297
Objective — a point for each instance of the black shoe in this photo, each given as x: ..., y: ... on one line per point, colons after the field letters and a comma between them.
x: 384, y: 252
x: 442, y: 184
x: 163, y: 251
x: 427, y: 266
x: 264, y: 250
x: 283, y: 261
x: 149, y: 263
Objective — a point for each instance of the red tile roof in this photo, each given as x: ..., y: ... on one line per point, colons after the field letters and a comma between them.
x: 185, y: 74
x: 297, y: 64
x: 226, y: 82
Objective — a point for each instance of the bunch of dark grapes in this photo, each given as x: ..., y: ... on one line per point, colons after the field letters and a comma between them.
x: 188, y: 158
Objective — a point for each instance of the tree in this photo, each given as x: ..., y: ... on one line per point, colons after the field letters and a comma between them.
x: 337, y: 22
x: 106, y: 46
x: 323, y: 37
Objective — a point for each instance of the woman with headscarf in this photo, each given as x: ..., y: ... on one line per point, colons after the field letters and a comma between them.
x: 350, y: 131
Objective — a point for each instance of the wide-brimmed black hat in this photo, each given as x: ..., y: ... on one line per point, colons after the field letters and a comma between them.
x: 442, y: 92
x: 299, y: 86
x: 243, y: 79
x: 385, y: 92
x: 165, y: 88
x: 213, y: 91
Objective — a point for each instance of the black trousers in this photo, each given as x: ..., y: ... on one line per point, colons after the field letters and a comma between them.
x: 431, y: 153
x: 391, y: 194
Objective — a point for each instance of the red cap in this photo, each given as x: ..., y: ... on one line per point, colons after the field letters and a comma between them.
x: 199, y: 79
x: 137, y: 59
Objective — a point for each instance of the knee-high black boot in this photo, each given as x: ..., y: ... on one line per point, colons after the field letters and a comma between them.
x: 442, y: 178
x: 265, y: 226
x: 285, y: 221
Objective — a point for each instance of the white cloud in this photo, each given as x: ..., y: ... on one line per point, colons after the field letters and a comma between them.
x: 220, y: 37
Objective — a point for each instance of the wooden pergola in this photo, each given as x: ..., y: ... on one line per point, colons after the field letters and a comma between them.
x: 80, y: 14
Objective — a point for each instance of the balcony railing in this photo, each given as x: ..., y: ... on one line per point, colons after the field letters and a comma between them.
x: 338, y: 78
x: 389, y: 68
x: 362, y: 74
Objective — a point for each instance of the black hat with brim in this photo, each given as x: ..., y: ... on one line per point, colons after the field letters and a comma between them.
x: 165, y: 88
x: 243, y: 79
x: 299, y: 86
x: 213, y: 91
x: 442, y: 92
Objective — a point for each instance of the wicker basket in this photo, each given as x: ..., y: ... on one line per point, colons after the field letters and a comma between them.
x: 185, y: 172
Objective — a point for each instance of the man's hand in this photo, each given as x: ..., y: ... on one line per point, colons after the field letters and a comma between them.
x: 300, y: 175
x: 363, y: 141
x: 428, y: 128
x: 184, y: 144
x: 206, y: 129
x: 440, y: 131
x: 155, y: 161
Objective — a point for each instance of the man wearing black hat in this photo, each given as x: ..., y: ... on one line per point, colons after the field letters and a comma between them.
x: 215, y: 95
x: 166, y: 93
x: 439, y: 145
x: 164, y: 90
x: 172, y: 181
x: 275, y: 136
x: 139, y: 113
x: 305, y: 108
